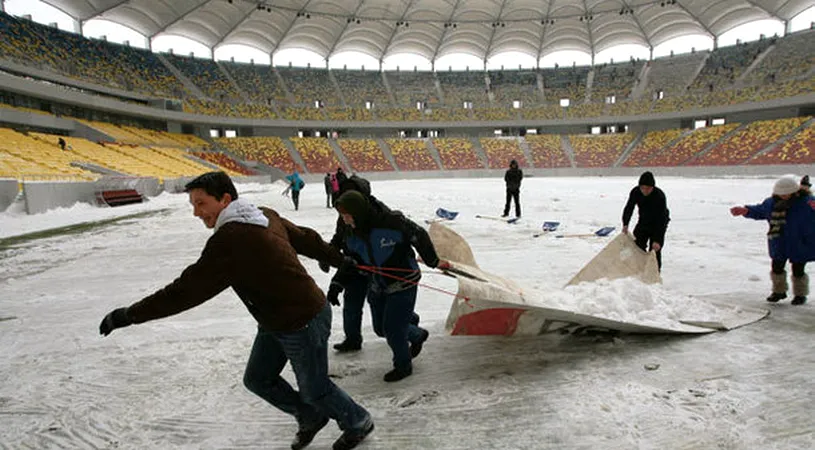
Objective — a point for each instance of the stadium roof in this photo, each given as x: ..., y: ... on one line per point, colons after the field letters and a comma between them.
x: 432, y: 28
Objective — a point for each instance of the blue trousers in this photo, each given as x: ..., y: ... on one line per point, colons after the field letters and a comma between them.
x: 307, y: 350
x: 391, y: 315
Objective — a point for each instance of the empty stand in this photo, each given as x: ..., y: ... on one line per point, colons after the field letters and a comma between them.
x: 546, y: 151
x: 411, y: 154
x: 364, y: 155
x: 500, y: 151
x: 457, y: 153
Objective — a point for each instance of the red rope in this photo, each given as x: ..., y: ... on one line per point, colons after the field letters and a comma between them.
x: 380, y: 271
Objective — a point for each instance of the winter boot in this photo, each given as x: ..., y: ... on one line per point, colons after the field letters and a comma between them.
x: 780, y: 286
x: 351, y: 438
x: 800, y: 289
x: 416, y: 348
x: 305, y: 435
x: 347, y: 346
x: 398, y: 374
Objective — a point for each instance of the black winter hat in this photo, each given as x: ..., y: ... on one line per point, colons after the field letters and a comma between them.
x: 805, y: 181
x: 647, y: 179
x: 354, y: 203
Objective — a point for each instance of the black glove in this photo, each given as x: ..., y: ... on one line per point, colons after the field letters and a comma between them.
x: 333, y: 295
x: 115, y: 319
x: 348, y: 266
x: 324, y: 266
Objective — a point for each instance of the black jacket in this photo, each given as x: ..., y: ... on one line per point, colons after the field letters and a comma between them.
x: 513, y: 178
x: 386, y: 243
x: 653, y: 212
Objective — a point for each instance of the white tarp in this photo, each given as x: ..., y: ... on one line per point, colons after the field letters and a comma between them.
x: 488, y: 304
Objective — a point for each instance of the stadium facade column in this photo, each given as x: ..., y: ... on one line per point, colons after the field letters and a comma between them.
x: 787, y: 27
x: 715, y: 42
x: 3, y: 5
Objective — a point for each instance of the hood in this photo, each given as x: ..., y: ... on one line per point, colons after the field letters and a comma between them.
x: 241, y: 211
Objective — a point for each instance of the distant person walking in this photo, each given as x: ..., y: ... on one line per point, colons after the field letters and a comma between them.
x: 791, y: 236
x: 654, y: 216
x: 512, y: 178
x: 296, y: 184
x: 329, y: 191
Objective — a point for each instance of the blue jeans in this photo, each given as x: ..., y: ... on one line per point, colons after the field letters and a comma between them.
x: 353, y: 300
x: 391, y: 314
x: 307, y: 350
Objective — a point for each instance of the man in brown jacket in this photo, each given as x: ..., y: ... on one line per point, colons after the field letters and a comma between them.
x: 254, y: 251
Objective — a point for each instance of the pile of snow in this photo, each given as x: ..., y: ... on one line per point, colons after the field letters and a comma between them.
x: 630, y: 300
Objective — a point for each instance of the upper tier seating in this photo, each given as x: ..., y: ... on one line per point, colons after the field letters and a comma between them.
x: 260, y: 83
x: 207, y: 76
x: 460, y: 87
x: 615, y: 79
x: 566, y: 82
x: 410, y: 87
x: 310, y: 85
x: 672, y: 74
x: 508, y: 86
x: 359, y: 87
x: 75, y: 56
x: 791, y: 58
x: 726, y: 64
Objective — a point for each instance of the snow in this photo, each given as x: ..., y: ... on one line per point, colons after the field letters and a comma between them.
x: 177, y: 382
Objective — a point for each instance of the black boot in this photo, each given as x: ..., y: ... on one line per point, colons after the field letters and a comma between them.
x: 398, y: 374
x: 414, y: 319
x: 352, y: 438
x: 416, y: 348
x: 347, y: 346
x: 799, y: 300
x: 305, y: 435
x: 775, y: 297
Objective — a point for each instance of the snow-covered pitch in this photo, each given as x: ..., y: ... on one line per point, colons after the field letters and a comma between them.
x: 177, y: 382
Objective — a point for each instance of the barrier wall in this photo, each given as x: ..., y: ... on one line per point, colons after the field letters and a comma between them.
x: 8, y: 192
x: 40, y: 196
x: 690, y: 172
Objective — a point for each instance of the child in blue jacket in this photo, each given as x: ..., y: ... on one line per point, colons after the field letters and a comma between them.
x: 791, y: 215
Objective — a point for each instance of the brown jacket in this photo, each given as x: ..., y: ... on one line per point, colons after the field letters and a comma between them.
x: 260, y: 264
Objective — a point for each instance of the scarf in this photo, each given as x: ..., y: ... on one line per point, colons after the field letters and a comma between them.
x: 778, y: 217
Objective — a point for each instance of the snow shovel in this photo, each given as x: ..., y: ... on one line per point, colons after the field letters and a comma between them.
x: 546, y: 228
x: 605, y: 231
x: 443, y: 215
x: 500, y: 219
